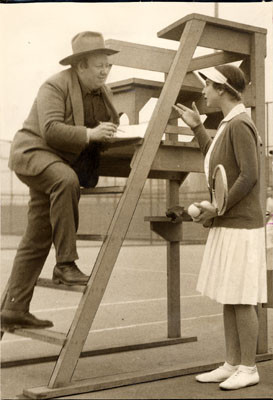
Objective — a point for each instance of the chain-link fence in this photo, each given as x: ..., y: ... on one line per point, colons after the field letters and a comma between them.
x: 95, y: 212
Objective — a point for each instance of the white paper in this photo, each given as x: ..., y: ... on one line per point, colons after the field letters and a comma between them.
x: 131, y: 131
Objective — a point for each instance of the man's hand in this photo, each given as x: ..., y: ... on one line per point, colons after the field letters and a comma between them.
x: 190, y: 117
x: 102, y: 132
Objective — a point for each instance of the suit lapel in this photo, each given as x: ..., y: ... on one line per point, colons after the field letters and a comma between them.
x: 77, y: 102
x: 76, y: 99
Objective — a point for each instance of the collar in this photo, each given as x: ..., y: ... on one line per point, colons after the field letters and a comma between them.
x: 239, y: 109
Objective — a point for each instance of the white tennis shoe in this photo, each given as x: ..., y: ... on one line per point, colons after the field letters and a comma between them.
x: 244, y: 376
x: 217, y: 375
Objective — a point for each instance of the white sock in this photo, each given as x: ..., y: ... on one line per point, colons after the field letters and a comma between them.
x: 230, y: 367
x: 248, y: 369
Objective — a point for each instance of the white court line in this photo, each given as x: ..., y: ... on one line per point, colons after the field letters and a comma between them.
x: 124, y: 327
x: 152, y: 323
x: 153, y: 270
x: 118, y: 303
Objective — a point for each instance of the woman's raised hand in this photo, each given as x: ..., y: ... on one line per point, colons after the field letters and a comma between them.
x: 190, y: 117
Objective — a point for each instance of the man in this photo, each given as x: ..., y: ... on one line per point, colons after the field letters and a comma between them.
x: 56, y: 152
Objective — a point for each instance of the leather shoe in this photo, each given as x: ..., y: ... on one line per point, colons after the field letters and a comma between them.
x: 69, y: 274
x: 11, y: 319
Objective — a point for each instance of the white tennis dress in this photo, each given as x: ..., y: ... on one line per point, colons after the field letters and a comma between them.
x: 233, y: 269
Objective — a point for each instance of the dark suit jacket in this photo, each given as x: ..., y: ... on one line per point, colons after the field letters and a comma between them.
x: 54, y: 130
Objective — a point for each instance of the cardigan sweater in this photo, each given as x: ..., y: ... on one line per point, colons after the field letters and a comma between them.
x: 238, y: 150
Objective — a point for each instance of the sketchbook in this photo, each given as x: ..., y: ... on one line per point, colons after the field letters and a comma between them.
x: 128, y: 134
x: 134, y: 134
x: 131, y: 131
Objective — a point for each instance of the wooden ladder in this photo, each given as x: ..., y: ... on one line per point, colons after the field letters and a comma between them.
x: 191, y: 31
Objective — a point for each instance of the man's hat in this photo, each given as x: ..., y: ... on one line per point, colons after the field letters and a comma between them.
x: 86, y: 43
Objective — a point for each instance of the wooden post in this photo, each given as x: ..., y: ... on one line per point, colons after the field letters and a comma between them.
x: 257, y: 74
x: 173, y: 260
x: 173, y: 270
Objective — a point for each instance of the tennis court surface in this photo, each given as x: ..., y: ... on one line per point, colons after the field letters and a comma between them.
x: 133, y: 310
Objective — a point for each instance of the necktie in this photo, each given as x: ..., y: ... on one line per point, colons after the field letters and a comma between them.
x: 94, y: 109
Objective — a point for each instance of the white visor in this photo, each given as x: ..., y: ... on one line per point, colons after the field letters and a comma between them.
x: 216, y: 76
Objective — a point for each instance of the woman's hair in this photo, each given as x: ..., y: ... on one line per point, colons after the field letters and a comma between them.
x: 235, y: 77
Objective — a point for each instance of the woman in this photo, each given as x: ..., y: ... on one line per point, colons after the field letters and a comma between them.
x: 233, y: 270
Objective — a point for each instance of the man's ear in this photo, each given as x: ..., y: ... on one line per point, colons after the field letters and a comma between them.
x: 81, y: 65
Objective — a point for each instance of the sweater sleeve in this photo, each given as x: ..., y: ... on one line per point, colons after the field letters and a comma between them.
x: 51, y: 111
x: 245, y: 152
x: 203, y: 138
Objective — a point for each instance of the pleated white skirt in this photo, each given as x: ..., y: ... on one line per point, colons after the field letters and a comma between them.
x: 233, y: 269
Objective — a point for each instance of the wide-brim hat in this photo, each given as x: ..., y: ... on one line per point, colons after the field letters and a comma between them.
x: 86, y: 43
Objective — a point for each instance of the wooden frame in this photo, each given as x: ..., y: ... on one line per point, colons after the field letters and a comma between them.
x: 152, y: 159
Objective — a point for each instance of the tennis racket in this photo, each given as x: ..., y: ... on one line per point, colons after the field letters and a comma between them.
x: 219, y: 189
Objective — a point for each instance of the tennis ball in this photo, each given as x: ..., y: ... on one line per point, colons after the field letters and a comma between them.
x: 193, y: 211
x: 206, y: 204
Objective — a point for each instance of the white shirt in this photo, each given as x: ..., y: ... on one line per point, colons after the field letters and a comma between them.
x: 238, y: 109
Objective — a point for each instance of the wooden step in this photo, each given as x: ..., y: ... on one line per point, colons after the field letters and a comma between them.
x: 185, y: 218
x: 43, y: 335
x: 191, y: 84
x: 225, y: 35
x: 48, y: 283
x: 181, y: 130
x: 160, y: 59
x: 102, y: 190
x: 103, y: 351
x: 158, y: 372
x: 168, y: 228
x: 92, y: 237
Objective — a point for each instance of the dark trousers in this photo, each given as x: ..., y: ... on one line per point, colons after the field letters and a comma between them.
x: 52, y: 218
